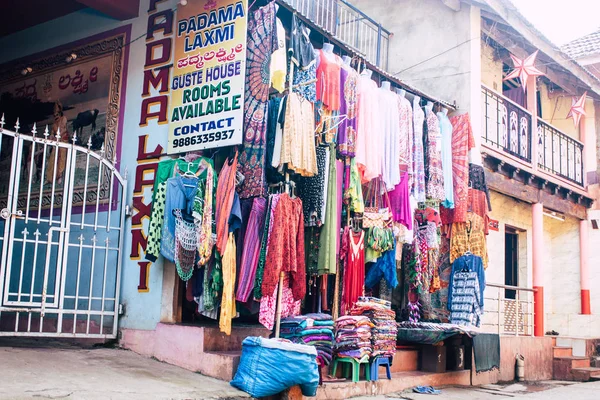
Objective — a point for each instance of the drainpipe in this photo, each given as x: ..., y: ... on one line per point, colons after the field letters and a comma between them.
x: 538, y: 268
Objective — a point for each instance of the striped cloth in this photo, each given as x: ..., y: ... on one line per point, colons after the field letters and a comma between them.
x: 466, y: 303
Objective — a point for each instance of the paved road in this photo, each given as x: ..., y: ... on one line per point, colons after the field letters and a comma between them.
x: 29, y: 370
x: 68, y: 372
x: 547, y: 391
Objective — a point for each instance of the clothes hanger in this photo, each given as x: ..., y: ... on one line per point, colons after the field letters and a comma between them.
x: 341, y: 118
x: 204, y: 165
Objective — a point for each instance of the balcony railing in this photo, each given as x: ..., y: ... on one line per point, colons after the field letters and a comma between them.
x: 507, y: 316
x: 559, y: 153
x: 506, y: 125
x: 349, y: 25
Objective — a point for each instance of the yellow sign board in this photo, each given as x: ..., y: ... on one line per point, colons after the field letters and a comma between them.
x: 207, y: 90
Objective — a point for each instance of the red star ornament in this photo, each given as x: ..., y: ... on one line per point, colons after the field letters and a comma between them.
x: 524, y: 69
x: 577, y: 109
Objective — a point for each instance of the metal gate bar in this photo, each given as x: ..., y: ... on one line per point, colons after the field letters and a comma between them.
x: 77, y: 261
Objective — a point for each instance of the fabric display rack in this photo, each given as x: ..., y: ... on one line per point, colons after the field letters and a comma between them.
x: 350, y: 205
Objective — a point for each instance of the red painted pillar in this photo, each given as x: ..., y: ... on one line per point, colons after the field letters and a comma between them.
x: 538, y: 268
x: 584, y: 267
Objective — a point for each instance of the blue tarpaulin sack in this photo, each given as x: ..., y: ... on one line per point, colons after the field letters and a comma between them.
x: 270, y: 366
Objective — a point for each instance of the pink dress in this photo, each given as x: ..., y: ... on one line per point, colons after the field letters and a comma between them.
x: 369, y: 141
x: 406, y: 138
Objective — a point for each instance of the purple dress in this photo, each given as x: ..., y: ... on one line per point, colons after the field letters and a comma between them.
x: 347, y: 130
x: 400, y: 202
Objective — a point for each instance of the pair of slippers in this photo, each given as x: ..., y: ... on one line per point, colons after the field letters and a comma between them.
x: 426, y: 390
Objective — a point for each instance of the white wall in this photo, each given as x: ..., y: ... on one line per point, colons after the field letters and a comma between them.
x: 421, y: 30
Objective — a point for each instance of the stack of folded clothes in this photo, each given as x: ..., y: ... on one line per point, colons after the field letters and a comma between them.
x: 353, y: 337
x: 313, y: 330
x: 385, y: 328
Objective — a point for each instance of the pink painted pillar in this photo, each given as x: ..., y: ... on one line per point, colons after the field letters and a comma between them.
x: 584, y: 267
x: 538, y: 269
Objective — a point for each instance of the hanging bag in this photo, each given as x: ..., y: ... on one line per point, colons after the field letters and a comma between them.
x: 375, y: 215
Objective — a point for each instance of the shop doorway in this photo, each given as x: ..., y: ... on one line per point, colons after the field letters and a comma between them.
x: 61, y: 233
x: 511, y: 261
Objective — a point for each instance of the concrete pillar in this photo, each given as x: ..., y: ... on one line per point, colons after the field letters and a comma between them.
x: 538, y: 268
x: 584, y: 271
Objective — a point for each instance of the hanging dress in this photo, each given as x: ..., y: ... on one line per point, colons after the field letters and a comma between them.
x: 298, y: 143
x: 354, y: 273
x: 406, y: 138
x: 369, y: 141
x: 390, y: 129
x: 260, y: 44
x: 228, y: 309
x: 224, y: 201
x: 418, y: 155
x: 330, y: 231
x: 346, y: 137
x: 446, y: 132
x: 435, y: 173
x: 462, y: 142
x: 251, y: 251
x: 328, y: 80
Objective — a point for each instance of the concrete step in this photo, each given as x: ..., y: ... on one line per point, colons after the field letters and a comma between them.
x: 217, y: 341
x: 563, y: 366
x: 559, y: 351
x: 224, y: 363
x: 405, y: 360
x: 585, y: 374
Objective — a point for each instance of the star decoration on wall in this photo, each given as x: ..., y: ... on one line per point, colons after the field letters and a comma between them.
x: 523, y: 69
x: 577, y: 109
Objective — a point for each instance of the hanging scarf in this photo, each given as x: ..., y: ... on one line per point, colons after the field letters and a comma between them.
x: 203, y: 219
x: 225, y: 195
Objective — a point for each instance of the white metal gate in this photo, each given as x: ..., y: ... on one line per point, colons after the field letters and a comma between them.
x: 62, y: 227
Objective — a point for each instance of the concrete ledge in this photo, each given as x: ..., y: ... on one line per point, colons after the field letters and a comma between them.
x: 195, y: 348
x: 400, y: 381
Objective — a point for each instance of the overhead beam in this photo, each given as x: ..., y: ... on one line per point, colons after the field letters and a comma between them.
x: 569, y: 83
x: 518, y: 190
x: 117, y: 9
x: 508, y: 12
x: 452, y: 4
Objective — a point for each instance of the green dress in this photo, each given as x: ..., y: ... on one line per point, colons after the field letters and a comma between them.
x: 329, y: 231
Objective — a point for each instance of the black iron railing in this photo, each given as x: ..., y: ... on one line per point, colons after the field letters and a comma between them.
x: 349, y: 25
x: 559, y: 153
x: 505, y: 124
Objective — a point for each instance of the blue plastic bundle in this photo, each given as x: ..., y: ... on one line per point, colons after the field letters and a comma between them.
x: 270, y: 366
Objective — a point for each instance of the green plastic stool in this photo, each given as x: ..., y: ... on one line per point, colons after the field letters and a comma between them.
x: 351, y: 362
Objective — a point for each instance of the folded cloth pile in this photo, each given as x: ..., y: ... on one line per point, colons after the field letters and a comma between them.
x: 313, y: 330
x: 353, y: 337
x: 385, y: 329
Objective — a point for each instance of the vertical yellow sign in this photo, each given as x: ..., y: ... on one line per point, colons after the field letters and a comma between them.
x: 207, y: 90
